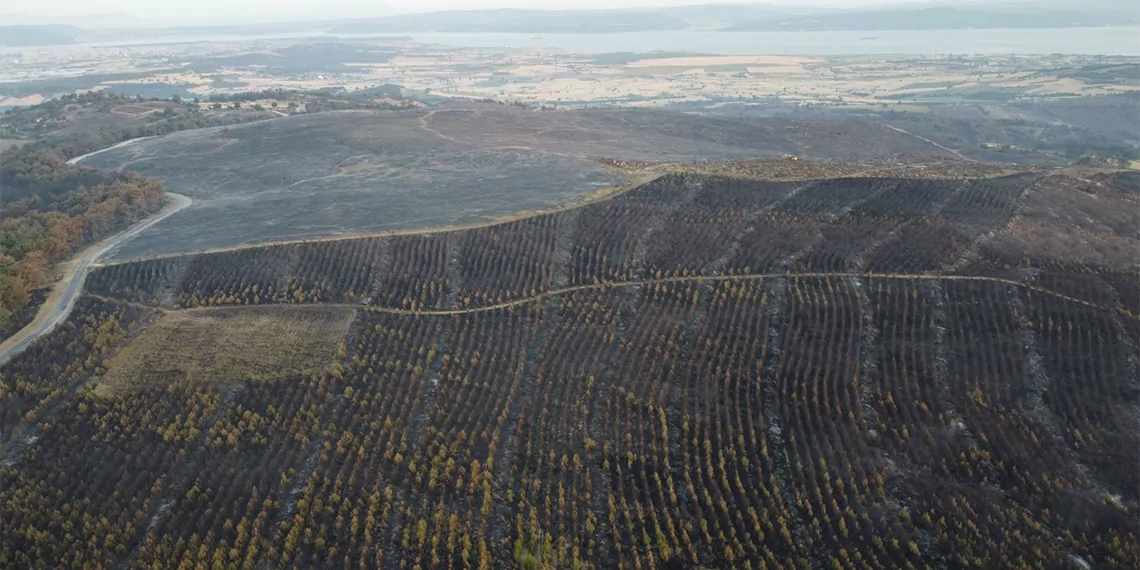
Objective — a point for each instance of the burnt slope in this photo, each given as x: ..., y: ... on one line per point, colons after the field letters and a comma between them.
x: 346, y: 172
x: 702, y: 371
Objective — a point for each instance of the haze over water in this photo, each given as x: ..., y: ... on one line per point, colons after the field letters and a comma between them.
x: 1106, y: 41
x: 1091, y: 41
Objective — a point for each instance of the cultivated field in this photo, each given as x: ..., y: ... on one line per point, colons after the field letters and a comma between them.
x: 543, y: 74
x: 362, y: 172
x: 705, y: 371
x: 551, y: 76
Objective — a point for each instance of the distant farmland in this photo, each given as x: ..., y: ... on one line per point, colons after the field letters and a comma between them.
x: 701, y: 372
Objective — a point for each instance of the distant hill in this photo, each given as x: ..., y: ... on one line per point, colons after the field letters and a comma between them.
x: 517, y: 21
x: 85, y: 21
x: 39, y: 35
x: 761, y: 17
x: 301, y: 58
x: 940, y: 17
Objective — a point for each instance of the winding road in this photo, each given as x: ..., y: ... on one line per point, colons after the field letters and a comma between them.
x: 65, y: 292
x: 127, y: 142
x: 604, y: 285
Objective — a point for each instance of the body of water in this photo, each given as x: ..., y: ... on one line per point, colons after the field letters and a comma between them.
x: 1093, y: 41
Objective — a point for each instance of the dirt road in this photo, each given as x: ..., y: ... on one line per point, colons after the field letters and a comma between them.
x: 717, y: 278
x: 928, y: 141
x: 642, y: 282
x: 79, y: 158
x: 64, y: 293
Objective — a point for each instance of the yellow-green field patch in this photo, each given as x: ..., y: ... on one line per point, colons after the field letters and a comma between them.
x: 222, y: 345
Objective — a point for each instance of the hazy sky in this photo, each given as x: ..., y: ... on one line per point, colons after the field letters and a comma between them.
x: 278, y: 10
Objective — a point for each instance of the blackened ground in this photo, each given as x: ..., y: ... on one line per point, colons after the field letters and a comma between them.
x: 350, y: 172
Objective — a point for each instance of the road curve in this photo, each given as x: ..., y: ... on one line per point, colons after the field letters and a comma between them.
x: 79, y: 158
x: 65, y: 292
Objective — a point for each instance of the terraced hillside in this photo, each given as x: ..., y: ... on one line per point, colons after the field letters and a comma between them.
x: 700, y: 372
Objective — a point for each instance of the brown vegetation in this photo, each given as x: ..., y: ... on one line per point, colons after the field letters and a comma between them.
x: 207, y: 347
x: 1077, y: 220
x: 797, y: 168
x: 38, y: 231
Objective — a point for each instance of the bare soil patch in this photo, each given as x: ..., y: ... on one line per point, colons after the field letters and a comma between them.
x: 219, y: 345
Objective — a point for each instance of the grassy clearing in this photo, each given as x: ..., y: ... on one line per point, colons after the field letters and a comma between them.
x: 215, y: 346
x: 140, y: 109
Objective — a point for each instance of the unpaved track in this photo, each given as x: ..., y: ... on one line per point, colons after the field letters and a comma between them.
x: 736, y: 277
x: 79, y: 158
x: 65, y: 292
x: 928, y: 141
x: 689, y: 279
